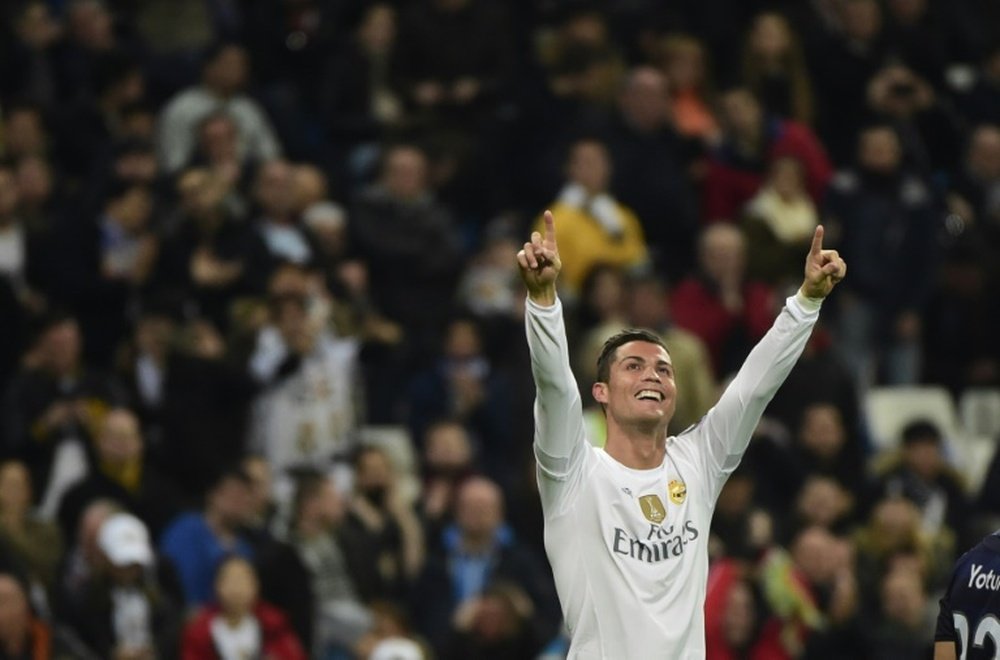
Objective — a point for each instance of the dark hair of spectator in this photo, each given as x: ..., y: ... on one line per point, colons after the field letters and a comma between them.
x: 307, y: 484
x: 111, y: 70
x: 921, y: 430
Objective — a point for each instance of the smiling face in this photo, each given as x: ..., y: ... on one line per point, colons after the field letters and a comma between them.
x: 640, y: 389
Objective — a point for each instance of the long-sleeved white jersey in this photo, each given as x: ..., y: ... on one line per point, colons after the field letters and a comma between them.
x: 629, y: 548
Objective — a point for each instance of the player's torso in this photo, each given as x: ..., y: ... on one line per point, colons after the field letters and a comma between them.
x: 630, y: 556
x: 975, y: 602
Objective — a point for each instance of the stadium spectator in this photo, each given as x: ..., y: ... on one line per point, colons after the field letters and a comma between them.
x: 341, y: 619
x: 204, y: 414
x: 597, y: 228
x: 893, y: 538
x: 975, y: 190
x: 363, y: 90
x: 28, y: 69
x: 305, y: 415
x: 843, y: 61
x: 408, y: 241
x: 825, y: 445
x: 196, y: 542
x: 23, y: 634
x: 778, y: 222
x: 129, y: 606
x: 91, y: 124
x: 36, y: 544
x: 774, y: 67
x: 206, y: 253
x: 453, y: 59
x: 478, y: 552
x: 466, y: 386
x: 224, y: 76
x: 921, y: 474
x: 903, y: 629
x: 381, y: 536
x: 448, y: 461
x: 53, y: 408
x: 887, y: 217
x: 823, y: 502
x: 831, y: 609
x: 927, y: 128
x: 104, y: 262
x: 684, y: 63
x: 25, y: 131
x: 651, y: 170
x: 277, y: 227
x: 496, y: 624
x: 737, y: 620
x: 728, y: 312
x: 958, y: 322
x: 82, y: 559
x: 122, y: 473
x: 218, y: 150
x: 752, y: 140
x: 239, y: 623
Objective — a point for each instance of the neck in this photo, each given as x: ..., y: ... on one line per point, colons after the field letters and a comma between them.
x: 233, y: 618
x: 637, y: 448
x: 217, y: 525
x: 309, y: 528
x: 477, y: 544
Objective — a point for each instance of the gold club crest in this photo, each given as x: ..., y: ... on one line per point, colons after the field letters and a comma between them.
x: 652, y: 507
x: 678, y: 491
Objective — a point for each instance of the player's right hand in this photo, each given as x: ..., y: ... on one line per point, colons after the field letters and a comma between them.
x: 539, y: 263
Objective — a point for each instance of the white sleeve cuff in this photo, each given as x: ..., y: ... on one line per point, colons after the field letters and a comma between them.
x: 808, y: 306
x: 543, y: 309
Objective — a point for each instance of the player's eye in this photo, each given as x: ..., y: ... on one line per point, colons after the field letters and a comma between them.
x: 632, y: 366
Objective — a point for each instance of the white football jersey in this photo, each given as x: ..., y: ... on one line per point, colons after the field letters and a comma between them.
x: 629, y: 548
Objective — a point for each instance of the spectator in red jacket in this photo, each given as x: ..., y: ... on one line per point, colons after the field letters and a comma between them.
x: 240, y: 625
x: 752, y: 140
x: 737, y: 621
x: 728, y: 312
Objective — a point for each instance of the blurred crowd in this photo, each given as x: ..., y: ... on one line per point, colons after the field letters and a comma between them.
x: 266, y: 391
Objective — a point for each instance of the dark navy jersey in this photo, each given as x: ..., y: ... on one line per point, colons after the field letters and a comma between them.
x: 970, y: 608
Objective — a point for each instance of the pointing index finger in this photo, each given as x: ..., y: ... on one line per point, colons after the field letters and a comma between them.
x: 817, y: 243
x: 550, y: 228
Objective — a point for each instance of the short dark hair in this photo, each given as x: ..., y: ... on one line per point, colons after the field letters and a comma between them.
x: 308, y: 484
x: 625, y: 336
x: 921, y: 430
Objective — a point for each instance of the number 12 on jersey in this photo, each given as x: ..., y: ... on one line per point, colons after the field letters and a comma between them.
x: 988, y: 626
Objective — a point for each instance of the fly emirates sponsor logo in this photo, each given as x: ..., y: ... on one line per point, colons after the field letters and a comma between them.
x: 659, y: 543
x: 980, y: 580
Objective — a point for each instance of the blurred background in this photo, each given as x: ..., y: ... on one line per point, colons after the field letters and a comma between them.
x: 265, y: 383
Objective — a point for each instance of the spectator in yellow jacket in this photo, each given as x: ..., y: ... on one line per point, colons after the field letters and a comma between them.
x: 594, y: 228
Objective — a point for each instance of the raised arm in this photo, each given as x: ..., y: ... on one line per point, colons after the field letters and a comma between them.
x: 558, y: 410
x: 722, y: 436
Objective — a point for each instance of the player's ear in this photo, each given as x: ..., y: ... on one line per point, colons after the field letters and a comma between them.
x: 600, y: 392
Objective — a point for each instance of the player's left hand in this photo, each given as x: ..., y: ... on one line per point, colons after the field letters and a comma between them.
x: 824, y: 268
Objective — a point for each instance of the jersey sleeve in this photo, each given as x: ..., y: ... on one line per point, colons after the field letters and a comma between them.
x: 719, y: 440
x: 945, y: 629
x: 560, y: 444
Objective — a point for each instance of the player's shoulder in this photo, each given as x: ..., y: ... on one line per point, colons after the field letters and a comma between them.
x: 984, y: 553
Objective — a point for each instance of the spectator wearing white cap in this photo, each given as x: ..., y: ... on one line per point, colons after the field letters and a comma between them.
x: 127, y: 609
